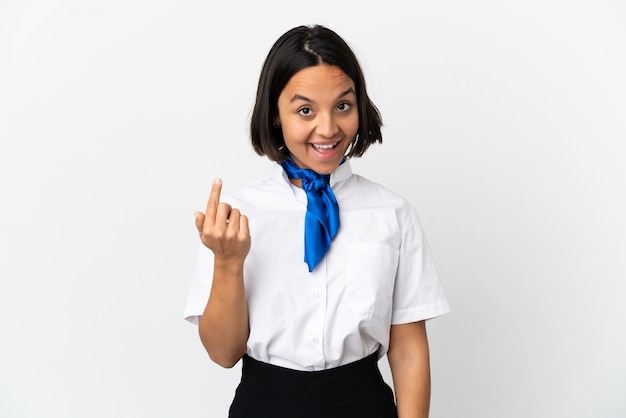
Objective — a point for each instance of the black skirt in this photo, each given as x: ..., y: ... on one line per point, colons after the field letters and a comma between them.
x: 353, y: 390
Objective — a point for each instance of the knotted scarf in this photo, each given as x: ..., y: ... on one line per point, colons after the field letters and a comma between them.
x: 321, y: 222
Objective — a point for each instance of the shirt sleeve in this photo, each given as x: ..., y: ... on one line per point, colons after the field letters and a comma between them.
x: 418, y: 294
x: 200, y: 286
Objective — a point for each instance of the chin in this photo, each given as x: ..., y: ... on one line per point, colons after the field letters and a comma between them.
x: 325, y: 168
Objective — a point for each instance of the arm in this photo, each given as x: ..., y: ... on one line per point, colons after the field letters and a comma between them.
x: 410, y: 367
x: 223, y: 326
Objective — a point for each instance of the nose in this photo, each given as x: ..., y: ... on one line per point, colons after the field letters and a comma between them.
x: 327, y: 126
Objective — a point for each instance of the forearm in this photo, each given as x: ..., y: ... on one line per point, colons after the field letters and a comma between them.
x: 412, y: 388
x: 410, y: 366
x: 224, y: 325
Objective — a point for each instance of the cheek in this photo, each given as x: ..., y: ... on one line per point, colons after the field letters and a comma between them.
x: 352, y: 126
x: 294, y: 131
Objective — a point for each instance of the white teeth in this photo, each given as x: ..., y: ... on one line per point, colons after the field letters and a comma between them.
x: 321, y: 146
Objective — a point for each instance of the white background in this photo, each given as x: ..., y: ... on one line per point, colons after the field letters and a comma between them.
x: 504, y: 126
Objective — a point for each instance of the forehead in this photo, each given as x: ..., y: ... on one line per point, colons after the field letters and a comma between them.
x: 319, y: 78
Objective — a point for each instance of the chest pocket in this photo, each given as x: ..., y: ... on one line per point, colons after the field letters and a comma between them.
x: 368, y: 271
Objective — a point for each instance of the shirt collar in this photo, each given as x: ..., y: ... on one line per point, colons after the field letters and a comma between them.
x: 342, y: 173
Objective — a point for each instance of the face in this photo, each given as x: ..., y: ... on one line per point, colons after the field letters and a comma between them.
x: 319, y: 117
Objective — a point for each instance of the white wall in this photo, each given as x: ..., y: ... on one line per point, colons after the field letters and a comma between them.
x: 504, y: 125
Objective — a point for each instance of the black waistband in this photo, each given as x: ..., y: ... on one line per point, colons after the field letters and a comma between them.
x: 324, y: 386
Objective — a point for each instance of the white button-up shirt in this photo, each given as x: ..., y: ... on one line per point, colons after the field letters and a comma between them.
x: 378, y: 272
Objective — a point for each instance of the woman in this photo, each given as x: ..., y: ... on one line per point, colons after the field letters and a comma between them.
x: 310, y: 333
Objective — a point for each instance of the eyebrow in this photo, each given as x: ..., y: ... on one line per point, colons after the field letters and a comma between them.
x: 306, y: 99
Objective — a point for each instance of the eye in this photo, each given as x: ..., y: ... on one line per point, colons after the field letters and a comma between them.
x: 344, y: 106
x: 305, y: 111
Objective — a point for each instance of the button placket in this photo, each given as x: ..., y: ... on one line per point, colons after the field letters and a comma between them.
x: 318, y: 293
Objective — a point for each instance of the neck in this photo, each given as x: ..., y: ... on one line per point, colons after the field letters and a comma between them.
x: 296, y: 182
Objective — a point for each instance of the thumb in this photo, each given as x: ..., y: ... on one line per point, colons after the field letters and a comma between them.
x: 199, y: 220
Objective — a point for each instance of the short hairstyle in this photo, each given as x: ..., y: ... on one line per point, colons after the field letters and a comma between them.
x: 299, y: 48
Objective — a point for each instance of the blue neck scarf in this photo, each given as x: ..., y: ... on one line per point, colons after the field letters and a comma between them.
x: 321, y: 222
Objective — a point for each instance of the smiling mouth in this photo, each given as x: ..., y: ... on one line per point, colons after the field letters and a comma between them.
x: 325, y: 146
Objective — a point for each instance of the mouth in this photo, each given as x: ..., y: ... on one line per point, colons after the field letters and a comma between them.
x: 324, y: 147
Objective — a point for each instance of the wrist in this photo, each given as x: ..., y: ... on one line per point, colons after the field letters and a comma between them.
x: 228, y: 262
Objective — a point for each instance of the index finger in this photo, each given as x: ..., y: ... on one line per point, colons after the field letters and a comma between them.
x: 214, y: 199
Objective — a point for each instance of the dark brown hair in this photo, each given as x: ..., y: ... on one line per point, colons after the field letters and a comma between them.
x: 299, y: 48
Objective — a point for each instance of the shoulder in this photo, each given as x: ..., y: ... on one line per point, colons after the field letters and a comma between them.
x: 362, y: 192
x: 261, y: 195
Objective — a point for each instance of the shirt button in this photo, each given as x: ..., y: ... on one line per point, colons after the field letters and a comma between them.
x: 316, y: 293
x: 315, y: 341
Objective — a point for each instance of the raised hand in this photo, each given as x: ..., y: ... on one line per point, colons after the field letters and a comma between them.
x: 223, y: 228
x: 224, y: 324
